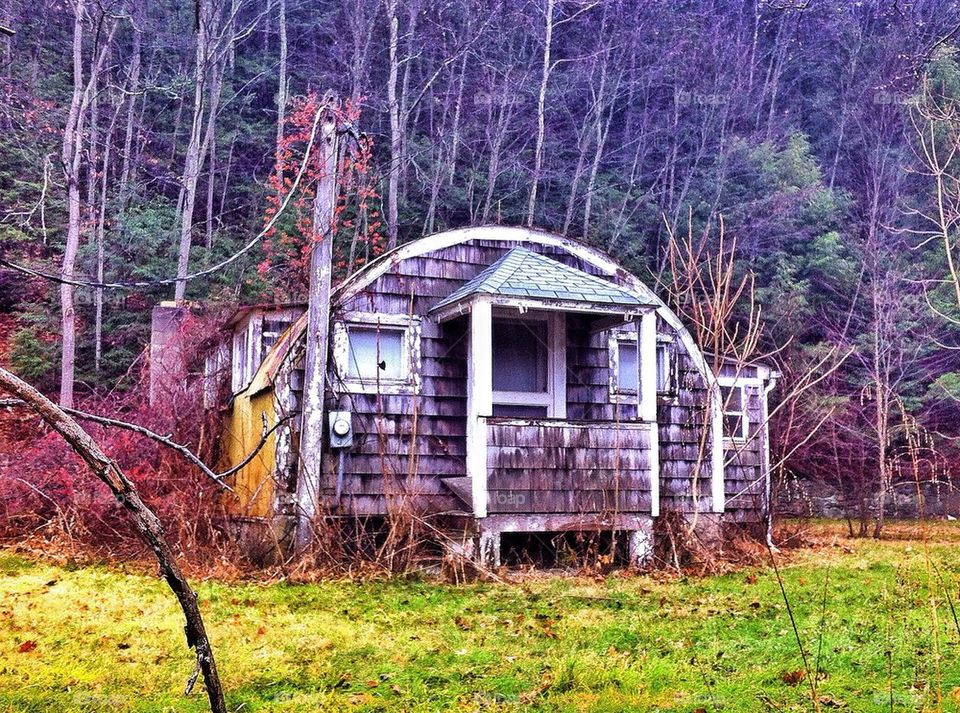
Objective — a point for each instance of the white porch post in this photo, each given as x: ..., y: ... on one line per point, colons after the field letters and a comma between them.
x: 558, y: 361
x: 647, y: 351
x: 479, y: 401
x: 718, y: 457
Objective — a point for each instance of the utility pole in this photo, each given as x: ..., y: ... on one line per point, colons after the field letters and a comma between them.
x: 310, y: 480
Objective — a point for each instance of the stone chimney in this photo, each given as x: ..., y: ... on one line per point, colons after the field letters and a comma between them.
x: 168, y: 368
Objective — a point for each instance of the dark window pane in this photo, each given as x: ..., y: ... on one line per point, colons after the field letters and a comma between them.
x: 733, y: 425
x: 732, y: 398
x: 518, y: 411
x: 663, y: 369
x: 272, y: 329
x: 520, y: 356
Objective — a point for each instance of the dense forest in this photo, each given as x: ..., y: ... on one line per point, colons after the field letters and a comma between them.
x: 140, y: 141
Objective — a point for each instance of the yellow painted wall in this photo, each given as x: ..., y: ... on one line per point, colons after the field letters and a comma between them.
x: 253, y: 485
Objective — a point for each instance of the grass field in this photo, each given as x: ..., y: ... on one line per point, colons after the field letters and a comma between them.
x: 95, y: 638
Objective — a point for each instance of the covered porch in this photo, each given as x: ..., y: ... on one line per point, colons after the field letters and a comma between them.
x: 561, y: 397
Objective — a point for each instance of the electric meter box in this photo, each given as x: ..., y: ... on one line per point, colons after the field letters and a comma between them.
x: 341, y: 429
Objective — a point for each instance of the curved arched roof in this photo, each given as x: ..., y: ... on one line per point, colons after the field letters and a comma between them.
x: 357, y: 282
x: 361, y: 279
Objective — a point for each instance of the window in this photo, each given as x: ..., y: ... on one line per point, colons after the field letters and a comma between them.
x: 734, y: 411
x: 520, y: 356
x: 241, y: 372
x: 216, y: 364
x: 624, y: 366
x: 273, y: 329
x: 374, y: 352
x: 254, y: 334
x: 528, y: 372
x: 663, y: 369
x: 628, y: 367
x: 668, y: 377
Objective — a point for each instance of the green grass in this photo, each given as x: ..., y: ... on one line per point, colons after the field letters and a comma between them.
x: 107, y: 640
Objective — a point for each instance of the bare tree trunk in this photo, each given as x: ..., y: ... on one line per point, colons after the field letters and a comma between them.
x: 281, y: 89
x: 601, y: 130
x: 361, y: 17
x: 146, y: 521
x: 457, y: 112
x: 211, y: 181
x: 441, y: 153
x: 93, y: 144
x: 226, y: 173
x: 405, y: 108
x: 583, y: 145
x: 71, y: 157
x: 6, y: 19
x: 210, y: 136
x: 139, y: 142
x: 882, y: 414
x: 71, y: 167
x: 393, y: 175
x: 133, y: 88
x: 208, y: 73
x: 541, y: 109
x: 100, y: 238
x: 193, y: 158
x: 504, y: 120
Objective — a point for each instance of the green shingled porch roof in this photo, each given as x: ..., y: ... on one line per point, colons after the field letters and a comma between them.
x: 523, y: 273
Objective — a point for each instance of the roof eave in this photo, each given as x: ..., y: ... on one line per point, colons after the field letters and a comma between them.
x: 446, y: 312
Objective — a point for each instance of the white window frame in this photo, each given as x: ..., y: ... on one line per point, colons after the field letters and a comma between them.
x: 554, y: 399
x: 248, y: 353
x: 740, y: 384
x: 671, y: 390
x: 240, y: 372
x: 664, y: 343
x: 615, y: 338
x: 644, y: 334
x: 409, y: 325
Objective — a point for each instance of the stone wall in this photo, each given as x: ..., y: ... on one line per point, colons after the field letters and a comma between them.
x: 803, y: 498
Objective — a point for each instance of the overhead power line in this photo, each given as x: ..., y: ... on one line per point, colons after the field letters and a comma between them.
x: 142, y: 284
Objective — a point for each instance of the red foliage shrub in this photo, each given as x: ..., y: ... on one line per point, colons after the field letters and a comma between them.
x: 45, y: 488
x: 357, y: 221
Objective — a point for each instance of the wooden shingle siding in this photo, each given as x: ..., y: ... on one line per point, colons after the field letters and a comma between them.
x: 685, y: 469
x: 413, y: 286
x: 424, y: 433
x: 549, y: 467
x: 430, y: 427
x: 588, y: 376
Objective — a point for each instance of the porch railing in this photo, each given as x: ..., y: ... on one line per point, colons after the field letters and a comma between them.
x: 555, y: 466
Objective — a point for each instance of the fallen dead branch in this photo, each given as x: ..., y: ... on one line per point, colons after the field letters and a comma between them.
x: 167, y: 441
x: 145, y: 520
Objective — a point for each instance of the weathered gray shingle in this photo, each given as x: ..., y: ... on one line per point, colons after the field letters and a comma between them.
x: 524, y: 273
